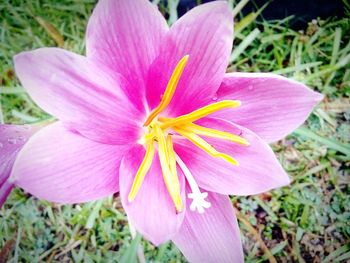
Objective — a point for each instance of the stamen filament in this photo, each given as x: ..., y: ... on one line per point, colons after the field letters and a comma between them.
x: 142, y: 171
x: 147, y: 137
x: 200, y: 130
x: 169, y: 91
x: 198, y: 114
x: 199, y: 142
x: 171, y: 180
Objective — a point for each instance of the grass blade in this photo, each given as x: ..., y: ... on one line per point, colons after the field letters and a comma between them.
x: 130, y: 254
x: 244, y: 44
x: 345, y: 149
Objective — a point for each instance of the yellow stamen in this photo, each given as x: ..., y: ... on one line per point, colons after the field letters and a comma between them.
x: 183, y: 125
x: 171, y: 154
x: 199, y: 142
x: 142, y: 171
x: 198, y: 114
x: 171, y: 180
x: 169, y: 91
x: 148, y: 137
x: 197, y: 129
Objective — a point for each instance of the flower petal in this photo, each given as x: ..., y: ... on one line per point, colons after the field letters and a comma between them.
x: 152, y: 212
x: 272, y: 106
x: 12, y: 139
x: 258, y: 170
x: 61, y: 166
x: 86, y: 96
x: 126, y: 35
x: 205, y: 34
x: 5, y: 189
x: 213, y: 236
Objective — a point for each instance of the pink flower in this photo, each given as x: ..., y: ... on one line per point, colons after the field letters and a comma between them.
x: 12, y: 139
x: 151, y: 113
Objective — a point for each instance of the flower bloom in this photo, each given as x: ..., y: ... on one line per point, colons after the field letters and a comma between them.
x: 12, y: 139
x: 151, y: 113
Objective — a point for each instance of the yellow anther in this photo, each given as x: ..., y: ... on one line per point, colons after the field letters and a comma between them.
x: 199, y: 142
x: 142, y: 171
x: 185, y: 127
x: 169, y: 91
x: 200, y: 130
x: 171, y: 154
x: 198, y: 114
x: 171, y: 180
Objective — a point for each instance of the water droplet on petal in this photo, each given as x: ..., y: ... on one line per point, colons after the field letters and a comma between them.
x: 215, y: 97
x: 1, y: 145
x: 12, y: 140
x: 250, y: 87
x: 21, y: 138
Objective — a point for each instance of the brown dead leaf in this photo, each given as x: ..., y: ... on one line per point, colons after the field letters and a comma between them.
x: 6, y: 250
x: 51, y: 30
x: 265, y: 196
x: 337, y: 106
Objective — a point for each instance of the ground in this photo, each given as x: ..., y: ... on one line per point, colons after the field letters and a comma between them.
x: 308, y: 221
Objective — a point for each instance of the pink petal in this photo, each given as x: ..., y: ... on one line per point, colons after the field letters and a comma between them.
x: 206, y: 34
x: 12, y: 139
x: 152, y: 212
x: 213, y: 236
x: 258, y: 170
x: 87, y: 97
x: 61, y: 166
x: 272, y: 106
x: 5, y: 189
x: 126, y: 36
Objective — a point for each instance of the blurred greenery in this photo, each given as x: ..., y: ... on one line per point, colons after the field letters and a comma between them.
x: 306, y: 222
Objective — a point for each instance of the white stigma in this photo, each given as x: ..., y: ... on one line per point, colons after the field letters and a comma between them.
x: 198, y: 198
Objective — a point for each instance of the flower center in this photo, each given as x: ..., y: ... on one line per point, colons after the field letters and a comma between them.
x: 161, y: 130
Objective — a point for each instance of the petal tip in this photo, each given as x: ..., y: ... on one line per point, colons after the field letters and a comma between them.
x: 318, y: 96
x: 284, y: 180
x: 287, y: 181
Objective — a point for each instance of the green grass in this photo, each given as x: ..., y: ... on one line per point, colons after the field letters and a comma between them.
x: 308, y: 221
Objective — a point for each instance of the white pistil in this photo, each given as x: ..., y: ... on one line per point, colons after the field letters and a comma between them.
x: 198, y: 198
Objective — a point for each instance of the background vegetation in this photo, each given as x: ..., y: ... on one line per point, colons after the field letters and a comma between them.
x: 306, y: 222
